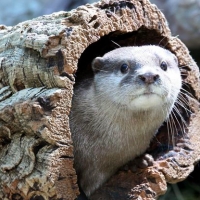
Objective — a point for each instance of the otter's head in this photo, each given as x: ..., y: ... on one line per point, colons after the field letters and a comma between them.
x: 139, y: 78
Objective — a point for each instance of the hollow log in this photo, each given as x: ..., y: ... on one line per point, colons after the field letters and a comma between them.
x: 38, y: 62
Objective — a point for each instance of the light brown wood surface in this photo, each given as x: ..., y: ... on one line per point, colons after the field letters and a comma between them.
x: 38, y: 60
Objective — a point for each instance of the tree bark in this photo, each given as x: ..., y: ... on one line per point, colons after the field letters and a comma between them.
x: 38, y: 60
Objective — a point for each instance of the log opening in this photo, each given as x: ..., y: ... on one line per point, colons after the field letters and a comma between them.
x: 113, y: 40
x: 169, y: 136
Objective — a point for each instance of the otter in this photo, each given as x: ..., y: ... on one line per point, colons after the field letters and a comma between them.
x: 115, y: 114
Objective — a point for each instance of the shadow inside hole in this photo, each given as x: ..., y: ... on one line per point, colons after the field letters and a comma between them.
x: 113, y: 40
x: 174, y: 130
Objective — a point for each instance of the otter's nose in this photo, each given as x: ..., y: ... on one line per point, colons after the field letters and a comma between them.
x: 149, y: 78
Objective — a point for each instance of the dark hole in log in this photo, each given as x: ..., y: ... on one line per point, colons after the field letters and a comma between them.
x: 18, y: 84
x: 168, y: 135
x: 37, y: 197
x: 93, y: 18
x: 45, y: 103
x: 17, y: 197
x: 57, y: 60
x: 109, y: 42
x: 96, y: 25
x: 39, y: 147
x: 113, y: 7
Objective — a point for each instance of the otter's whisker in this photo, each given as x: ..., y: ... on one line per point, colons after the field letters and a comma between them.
x: 182, y: 121
x: 115, y: 43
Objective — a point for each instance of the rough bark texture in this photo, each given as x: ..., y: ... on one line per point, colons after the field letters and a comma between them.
x: 38, y: 59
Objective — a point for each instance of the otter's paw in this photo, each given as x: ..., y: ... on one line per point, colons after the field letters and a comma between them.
x: 140, y: 162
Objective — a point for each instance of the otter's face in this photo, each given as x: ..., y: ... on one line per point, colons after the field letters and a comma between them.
x: 139, y: 78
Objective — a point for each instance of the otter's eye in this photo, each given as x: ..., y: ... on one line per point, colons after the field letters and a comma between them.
x: 163, y: 65
x: 124, y: 68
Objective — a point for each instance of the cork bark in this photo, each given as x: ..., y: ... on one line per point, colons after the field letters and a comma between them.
x: 38, y: 60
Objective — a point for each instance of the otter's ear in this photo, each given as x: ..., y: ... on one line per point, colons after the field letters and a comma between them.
x: 97, y: 64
